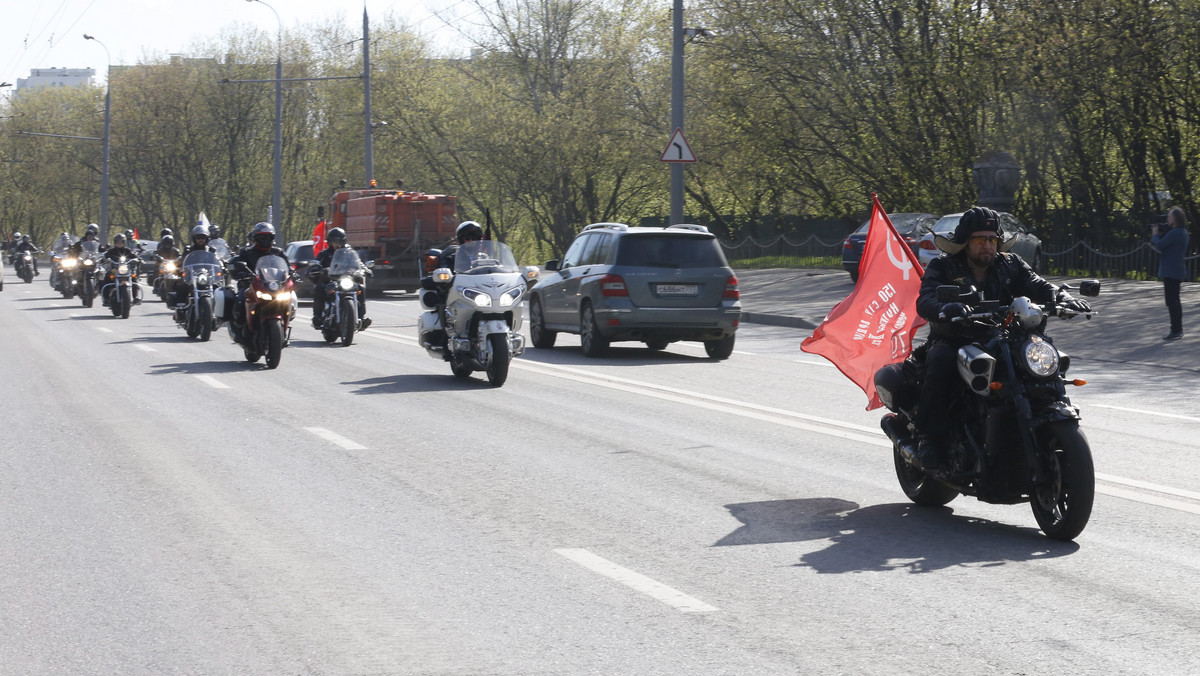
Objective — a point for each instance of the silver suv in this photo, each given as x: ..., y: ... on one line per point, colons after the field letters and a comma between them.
x: 654, y: 285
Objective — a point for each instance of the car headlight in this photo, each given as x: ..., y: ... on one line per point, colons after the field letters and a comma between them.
x: 1040, y: 357
x: 510, y: 297
x: 346, y: 282
x: 478, y: 297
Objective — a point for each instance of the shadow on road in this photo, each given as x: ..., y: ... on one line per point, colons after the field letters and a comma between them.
x: 635, y: 354
x: 898, y: 536
x: 204, y: 367
x: 419, y: 383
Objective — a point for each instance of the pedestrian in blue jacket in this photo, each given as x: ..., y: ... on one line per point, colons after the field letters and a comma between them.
x: 1172, y: 246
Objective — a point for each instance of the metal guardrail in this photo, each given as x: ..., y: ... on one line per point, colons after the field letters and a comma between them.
x: 1077, y: 260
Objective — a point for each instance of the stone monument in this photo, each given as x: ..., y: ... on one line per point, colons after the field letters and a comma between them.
x: 997, y: 176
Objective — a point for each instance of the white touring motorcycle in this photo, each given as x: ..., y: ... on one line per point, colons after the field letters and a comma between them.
x: 474, y: 319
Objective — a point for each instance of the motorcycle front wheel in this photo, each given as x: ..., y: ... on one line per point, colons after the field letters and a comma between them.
x: 349, y: 321
x: 89, y: 292
x: 1062, y: 504
x: 205, y: 318
x: 126, y: 302
x: 497, y: 370
x: 921, y: 488
x: 274, y: 329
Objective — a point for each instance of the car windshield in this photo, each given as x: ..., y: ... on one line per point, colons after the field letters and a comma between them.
x: 946, y: 224
x: 484, y: 257
x: 271, y: 269
x: 345, y: 262
x: 906, y: 224
x: 670, y: 251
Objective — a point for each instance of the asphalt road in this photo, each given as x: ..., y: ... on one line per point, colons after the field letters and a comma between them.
x: 168, y: 508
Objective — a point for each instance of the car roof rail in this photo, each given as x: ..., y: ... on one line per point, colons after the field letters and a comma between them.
x: 688, y: 226
x: 608, y: 226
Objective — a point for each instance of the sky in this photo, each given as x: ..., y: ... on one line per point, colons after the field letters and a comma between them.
x: 49, y: 33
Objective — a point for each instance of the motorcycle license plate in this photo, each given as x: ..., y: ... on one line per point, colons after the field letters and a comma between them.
x: 677, y: 289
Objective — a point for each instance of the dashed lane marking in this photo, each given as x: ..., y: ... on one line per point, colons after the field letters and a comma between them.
x: 145, y: 348
x: 636, y: 581
x: 333, y: 438
x: 212, y: 382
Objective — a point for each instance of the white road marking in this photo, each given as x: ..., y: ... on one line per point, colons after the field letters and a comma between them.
x: 1147, y: 486
x: 814, y: 362
x: 145, y: 348
x: 1174, y: 416
x: 104, y: 329
x: 212, y: 382
x: 636, y: 581
x: 335, y: 438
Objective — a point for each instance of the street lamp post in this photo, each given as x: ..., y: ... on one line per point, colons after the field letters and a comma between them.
x: 677, y: 107
x: 276, y: 218
x: 107, y: 136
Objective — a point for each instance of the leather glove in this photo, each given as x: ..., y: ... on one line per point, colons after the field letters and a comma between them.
x: 1077, y: 304
x: 954, y: 310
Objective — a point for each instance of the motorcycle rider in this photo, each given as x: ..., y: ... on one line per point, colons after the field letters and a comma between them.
x: 976, y: 255
x: 467, y: 231
x: 335, y: 239
x: 165, y: 240
x: 89, y: 235
x: 62, y: 244
x: 215, y: 240
x: 262, y: 243
x: 23, y: 246
x: 114, y: 255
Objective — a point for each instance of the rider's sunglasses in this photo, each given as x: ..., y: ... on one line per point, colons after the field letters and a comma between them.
x: 980, y: 240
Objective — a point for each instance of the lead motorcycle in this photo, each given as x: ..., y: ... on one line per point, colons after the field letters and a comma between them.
x: 85, y: 276
x: 23, y: 265
x: 120, y: 289
x: 476, y: 327
x: 1016, y: 435
x: 347, y: 282
x: 204, y: 277
x: 265, y: 328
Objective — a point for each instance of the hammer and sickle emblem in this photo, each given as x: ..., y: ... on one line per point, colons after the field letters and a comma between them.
x: 903, y: 264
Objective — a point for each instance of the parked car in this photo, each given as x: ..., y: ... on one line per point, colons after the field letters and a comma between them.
x: 1027, y: 245
x: 910, y: 226
x: 300, y: 255
x: 622, y: 283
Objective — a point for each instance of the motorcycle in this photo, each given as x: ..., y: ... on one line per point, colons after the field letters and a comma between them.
x: 168, y: 275
x: 203, y: 275
x: 85, y: 276
x: 120, y: 289
x: 23, y: 265
x: 347, y: 282
x: 270, y: 306
x: 477, y: 326
x: 1016, y: 435
x: 66, y: 276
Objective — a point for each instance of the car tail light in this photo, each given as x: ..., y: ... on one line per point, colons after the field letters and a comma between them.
x: 847, y: 244
x: 731, y: 289
x: 927, y: 244
x: 613, y: 285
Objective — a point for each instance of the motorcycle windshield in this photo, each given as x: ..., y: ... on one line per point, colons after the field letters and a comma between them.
x: 200, y: 262
x: 344, y: 262
x: 271, y: 269
x: 222, y: 248
x: 486, y: 257
x: 91, y: 248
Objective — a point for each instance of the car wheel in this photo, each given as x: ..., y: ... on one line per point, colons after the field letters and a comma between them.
x: 854, y: 276
x: 720, y: 348
x: 593, y: 342
x: 541, y: 337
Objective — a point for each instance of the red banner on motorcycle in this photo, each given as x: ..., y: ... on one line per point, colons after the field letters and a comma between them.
x: 318, y: 238
x: 874, y: 325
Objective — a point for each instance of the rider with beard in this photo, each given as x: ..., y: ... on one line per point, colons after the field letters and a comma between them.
x: 115, y: 253
x: 975, y: 256
x: 336, y: 239
x: 262, y: 243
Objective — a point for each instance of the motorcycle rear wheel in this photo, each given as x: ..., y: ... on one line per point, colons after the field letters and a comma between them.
x: 274, y: 329
x: 497, y: 370
x: 1063, y: 504
x: 921, y: 488
x: 349, y: 321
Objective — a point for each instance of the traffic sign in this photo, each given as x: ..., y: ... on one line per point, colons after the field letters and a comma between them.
x: 678, y: 149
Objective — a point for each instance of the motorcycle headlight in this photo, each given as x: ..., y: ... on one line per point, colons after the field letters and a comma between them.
x: 283, y: 295
x: 169, y: 266
x: 478, y: 297
x: 510, y: 297
x: 1041, y: 359
x: 202, y: 280
x: 264, y: 296
x: 69, y: 262
x: 346, y: 282
x: 89, y: 262
x: 122, y: 269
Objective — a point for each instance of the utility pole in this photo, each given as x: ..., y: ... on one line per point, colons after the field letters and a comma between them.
x: 107, y: 137
x: 369, y: 158
x: 677, y: 107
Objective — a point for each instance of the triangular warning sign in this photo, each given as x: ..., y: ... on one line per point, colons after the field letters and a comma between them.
x: 678, y: 149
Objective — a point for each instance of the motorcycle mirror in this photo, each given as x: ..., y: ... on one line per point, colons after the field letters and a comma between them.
x: 1089, y: 287
x: 442, y: 275
x: 531, y: 272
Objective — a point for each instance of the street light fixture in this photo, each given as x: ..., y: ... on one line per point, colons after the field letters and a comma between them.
x: 276, y: 216
x: 107, y: 130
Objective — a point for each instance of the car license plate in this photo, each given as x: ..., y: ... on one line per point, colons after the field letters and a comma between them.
x: 677, y: 289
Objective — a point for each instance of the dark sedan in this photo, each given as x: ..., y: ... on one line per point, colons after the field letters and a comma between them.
x: 910, y: 226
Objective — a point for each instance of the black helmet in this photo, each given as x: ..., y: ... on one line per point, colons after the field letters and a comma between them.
x: 214, y: 231
x: 263, y: 235
x: 469, y: 231
x: 92, y: 229
x: 198, y: 232
x: 164, y: 232
x: 336, y: 236
x: 977, y: 219
x: 119, y: 240
x: 168, y: 240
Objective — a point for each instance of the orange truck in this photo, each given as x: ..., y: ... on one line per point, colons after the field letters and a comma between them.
x: 393, y: 228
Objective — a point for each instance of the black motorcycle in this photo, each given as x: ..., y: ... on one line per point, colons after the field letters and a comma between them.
x: 345, y: 282
x: 1016, y: 436
x: 23, y: 265
x: 120, y: 289
x: 203, y: 276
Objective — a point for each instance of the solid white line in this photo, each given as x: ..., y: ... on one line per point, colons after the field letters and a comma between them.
x: 813, y: 362
x: 1148, y: 499
x: 1147, y: 486
x: 145, y: 348
x: 212, y: 382
x: 636, y: 581
x: 335, y: 438
x: 1160, y: 414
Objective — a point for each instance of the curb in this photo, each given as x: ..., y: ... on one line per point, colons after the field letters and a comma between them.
x: 789, y: 321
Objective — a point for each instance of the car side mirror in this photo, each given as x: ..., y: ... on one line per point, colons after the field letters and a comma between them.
x: 552, y: 266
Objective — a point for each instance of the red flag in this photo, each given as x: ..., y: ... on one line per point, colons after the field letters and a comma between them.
x: 318, y: 238
x: 874, y: 325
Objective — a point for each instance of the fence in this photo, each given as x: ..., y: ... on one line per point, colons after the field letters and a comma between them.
x: 1077, y: 260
